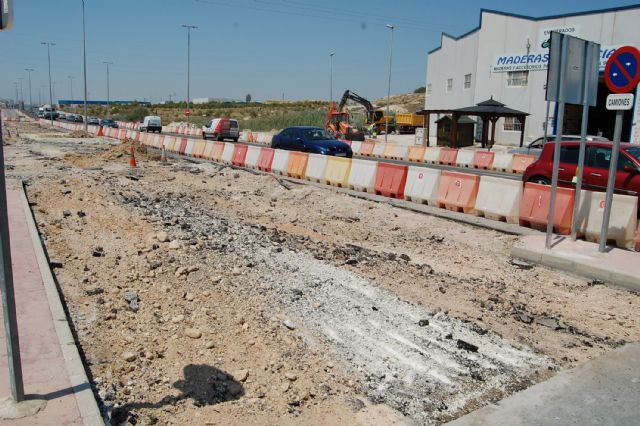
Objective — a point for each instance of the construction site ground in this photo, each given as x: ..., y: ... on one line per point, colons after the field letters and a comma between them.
x: 202, y: 294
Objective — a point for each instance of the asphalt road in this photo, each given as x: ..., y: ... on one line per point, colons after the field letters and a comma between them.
x: 478, y: 172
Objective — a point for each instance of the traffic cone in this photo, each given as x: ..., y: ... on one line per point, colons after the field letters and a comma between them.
x: 132, y: 159
x: 163, y: 156
x: 100, y: 131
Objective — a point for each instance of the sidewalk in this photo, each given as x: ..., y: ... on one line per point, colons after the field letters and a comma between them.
x: 51, y: 365
x: 615, y: 266
x: 604, y: 391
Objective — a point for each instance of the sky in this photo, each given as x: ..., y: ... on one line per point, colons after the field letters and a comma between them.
x: 266, y: 48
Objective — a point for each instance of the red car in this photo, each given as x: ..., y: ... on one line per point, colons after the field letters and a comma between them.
x: 596, y: 166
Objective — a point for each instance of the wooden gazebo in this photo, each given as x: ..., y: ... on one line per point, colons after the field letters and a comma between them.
x: 488, y: 111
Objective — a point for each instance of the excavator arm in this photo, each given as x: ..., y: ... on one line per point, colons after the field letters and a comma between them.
x: 349, y: 95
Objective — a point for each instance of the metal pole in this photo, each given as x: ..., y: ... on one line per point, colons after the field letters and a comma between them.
x: 50, y: 85
x: 71, y: 85
x: 21, y: 94
x: 331, y: 78
x: 17, y: 98
x: 108, y: 109
x: 386, y: 126
x: 84, y: 57
x: 189, y: 28
x: 8, y: 294
x: 546, y: 123
x: 611, y: 182
x: 28, y: 70
x: 556, y: 149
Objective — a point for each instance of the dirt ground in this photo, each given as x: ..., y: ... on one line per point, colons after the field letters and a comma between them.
x: 208, y: 295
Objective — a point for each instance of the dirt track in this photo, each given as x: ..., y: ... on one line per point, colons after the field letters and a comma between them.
x: 206, y: 295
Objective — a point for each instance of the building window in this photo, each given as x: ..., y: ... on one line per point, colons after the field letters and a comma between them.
x: 429, y: 89
x: 449, y: 84
x: 512, y: 124
x: 467, y: 81
x: 518, y: 78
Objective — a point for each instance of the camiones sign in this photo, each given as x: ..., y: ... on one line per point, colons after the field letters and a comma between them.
x: 538, y: 61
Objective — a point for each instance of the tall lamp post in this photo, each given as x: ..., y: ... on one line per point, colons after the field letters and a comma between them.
x: 108, y: 109
x: 386, y: 125
x: 331, y: 77
x: 84, y: 72
x: 49, y: 44
x: 21, y: 95
x: 28, y: 70
x: 189, y: 28
x: 70, y: 77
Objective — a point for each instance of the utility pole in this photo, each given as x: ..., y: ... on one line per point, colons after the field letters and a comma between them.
x: 386, y: 126
x: 28, y: 70
x: 107, y: 64
x: 189, y: 28
x: 49, y: 44
x: 84, y: 73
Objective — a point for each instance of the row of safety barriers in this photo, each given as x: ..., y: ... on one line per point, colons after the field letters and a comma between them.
x: 492, y: 197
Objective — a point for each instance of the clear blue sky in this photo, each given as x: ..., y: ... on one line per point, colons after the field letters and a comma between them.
x: 262, y: 47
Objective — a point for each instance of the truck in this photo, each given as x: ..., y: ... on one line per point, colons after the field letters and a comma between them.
x: 408, y: 123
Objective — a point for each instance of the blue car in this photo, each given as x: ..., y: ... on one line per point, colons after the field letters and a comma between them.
x: 314, y: 140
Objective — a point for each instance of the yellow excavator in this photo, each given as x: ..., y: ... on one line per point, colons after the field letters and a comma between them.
x: 339, y: 121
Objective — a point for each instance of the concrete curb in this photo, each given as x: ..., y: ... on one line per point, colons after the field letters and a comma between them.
x: 75, y: 368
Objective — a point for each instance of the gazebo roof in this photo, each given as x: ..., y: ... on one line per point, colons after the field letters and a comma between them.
x: 490, y: 107
x: 462, y: 120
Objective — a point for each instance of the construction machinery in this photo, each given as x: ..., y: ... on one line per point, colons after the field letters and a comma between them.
x: 339, y: 121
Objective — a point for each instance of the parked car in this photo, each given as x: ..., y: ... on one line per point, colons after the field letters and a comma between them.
x: 310, y: 139
x: 535, y: 147
x: 77, y: 118
x: 108, y: 122
x: 221, y: 129
x: 151, y: 123
x: 93, y: 120
x: 596, y: 166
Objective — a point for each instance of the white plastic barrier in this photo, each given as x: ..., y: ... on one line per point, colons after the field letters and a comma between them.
x: 422, y: 185
x: 244, y: 135
x: 227, y: 153
x: 189, y: 148
x: 280, y: 161
x: 499, y: 199
x: 378, y: 149
x: 622, y: 223
x: 362, y: 176
x: 155, y: 142
x: 502, y: 161
x: 402, y: 152
x: 355, y: 147
x: 253, y: 154
x: 432, y: 155
x: 465, y: 158
x: 316, y: 167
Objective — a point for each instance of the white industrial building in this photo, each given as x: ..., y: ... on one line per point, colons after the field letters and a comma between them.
x: 506, y: 58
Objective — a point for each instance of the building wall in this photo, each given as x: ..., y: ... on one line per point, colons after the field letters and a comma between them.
x: 504, y: 35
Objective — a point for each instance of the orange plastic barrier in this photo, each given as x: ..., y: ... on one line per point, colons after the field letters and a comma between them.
x: 534, y: 207
x: 458, y: 191
x: 265, y: 159
x: 389, y: 150
x: 208, y: 151
x: 521, y: 162
x: 239, y: 154
x: 391, y: 180
x: 218, y: 147
x: 122, y: 134
x: 183, y: 146
x: 198, y: 150
x: 297, y: 164
x: 416, y: 153
x: 448, y: 156
x: 367, y: 148
x: 483, y: 160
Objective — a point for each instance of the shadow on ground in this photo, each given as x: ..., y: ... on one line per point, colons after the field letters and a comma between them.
x: 203, y: 384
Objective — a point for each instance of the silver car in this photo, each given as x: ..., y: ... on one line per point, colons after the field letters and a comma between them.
x: 535, y: 147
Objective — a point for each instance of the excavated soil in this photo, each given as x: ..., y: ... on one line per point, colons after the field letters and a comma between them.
x: 203, y: 294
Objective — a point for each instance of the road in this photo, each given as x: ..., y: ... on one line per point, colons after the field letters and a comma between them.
x: 478, y: 172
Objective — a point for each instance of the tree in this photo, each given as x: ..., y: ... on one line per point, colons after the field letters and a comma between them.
x: 247, y: 98
x: 422, y: 89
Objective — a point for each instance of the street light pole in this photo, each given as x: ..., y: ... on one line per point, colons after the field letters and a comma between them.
x: 386, y: 126
x: 70, y: 77
x: 84, y: 73
x: 189, y: 28
x: 48, y: 44
x: 28, y: 70
x: 108, y: 110
x: 21, y: 94
x: 331, y: 78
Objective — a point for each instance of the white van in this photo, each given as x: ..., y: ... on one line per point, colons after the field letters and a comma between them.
x: 151, y: 123
x: 221, y: 129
